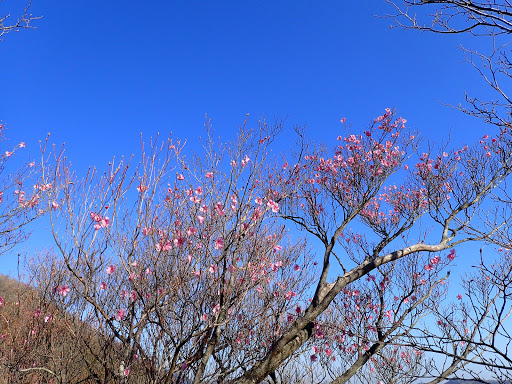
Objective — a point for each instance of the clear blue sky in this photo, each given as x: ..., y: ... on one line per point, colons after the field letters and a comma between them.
x: 97, y: 73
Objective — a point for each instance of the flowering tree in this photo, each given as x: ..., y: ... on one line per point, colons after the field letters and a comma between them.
x: 179, y: 262
x: 184, y: 268
x: 24, y: 190
x: 324, y: 193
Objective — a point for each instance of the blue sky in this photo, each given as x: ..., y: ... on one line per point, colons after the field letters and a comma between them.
x: 97, y: 73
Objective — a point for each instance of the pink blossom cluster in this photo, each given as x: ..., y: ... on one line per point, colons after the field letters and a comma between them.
x: 101, y: 222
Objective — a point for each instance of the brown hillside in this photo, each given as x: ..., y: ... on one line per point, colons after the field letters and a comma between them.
x: 40, y: 343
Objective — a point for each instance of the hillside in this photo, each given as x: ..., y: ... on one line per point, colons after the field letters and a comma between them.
x: 40, y: 342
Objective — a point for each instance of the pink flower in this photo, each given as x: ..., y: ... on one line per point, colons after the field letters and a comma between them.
x: 245, y: 161
x: 435, y: 260
x: 8, y: 154
x: 342, y: 120
x: 142, y: 188
x: 219, y: 243
x: 110, y: 269
x: 103, y: 286
x: 289, y: 295
x: 55, y: 205
x: 296, y: 268
x: 258, y: 200
x: 181, y: 177
x: 22, y: 145
x: 191, y: 231
x: 212, y: 269
x: 459, y: 296
x: 209, y: 175
x: 48, y: 317
x: 200, y: 219
x: 273, y: 205
x: 313, y: 358
x: 101, y: 222
x: 277, y: 248
x: 451, y: 255
x: 63, y: 290
x: 121, y: 314
x: 219, y: 209
x: 195, y: 200
x: 146, y: 231
x: 179, y: 242
x: 2, y: 301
